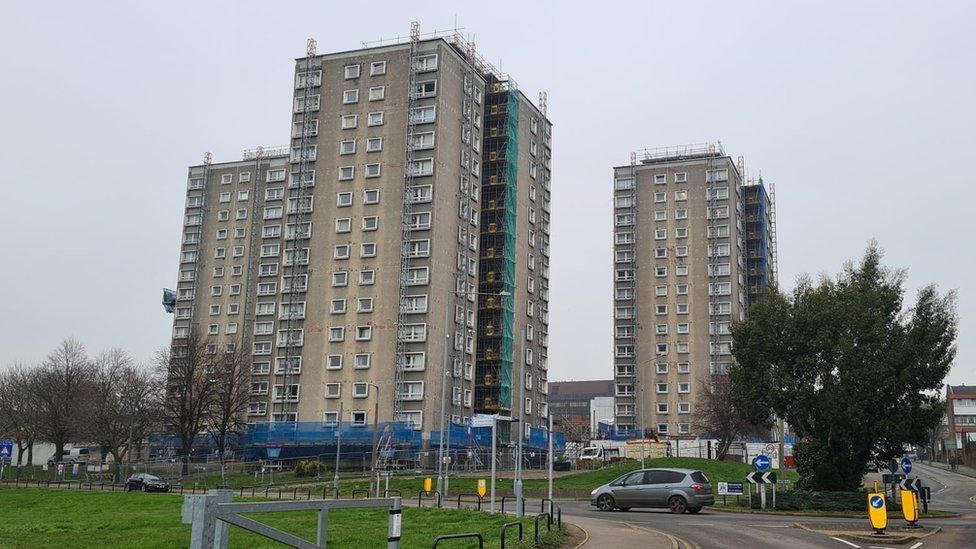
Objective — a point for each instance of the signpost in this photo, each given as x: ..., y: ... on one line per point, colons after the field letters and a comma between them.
x: 762, y: 462
x: 6, y: 454
x: 761, y: 479
x: 482, y: 487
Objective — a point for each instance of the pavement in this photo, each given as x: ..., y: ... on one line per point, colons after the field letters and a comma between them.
x: 655, y: 528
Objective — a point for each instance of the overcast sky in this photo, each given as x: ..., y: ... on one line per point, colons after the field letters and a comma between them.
x: 862, y: 116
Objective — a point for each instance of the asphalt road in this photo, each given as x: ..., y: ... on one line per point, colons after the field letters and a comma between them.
x: 715, y: 529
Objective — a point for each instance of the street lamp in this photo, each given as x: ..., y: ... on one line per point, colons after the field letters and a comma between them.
x: 376, y: 427
x: 442, y: 480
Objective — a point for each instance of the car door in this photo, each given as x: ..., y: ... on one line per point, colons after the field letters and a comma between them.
x: 655, y: 490
x: 672, y: 482
x: 626, y: 494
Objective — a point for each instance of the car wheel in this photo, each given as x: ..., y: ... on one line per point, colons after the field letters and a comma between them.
x: 694, y: 510
x: 145, y: 488
x: 677, y: 505
x: 605, y: 502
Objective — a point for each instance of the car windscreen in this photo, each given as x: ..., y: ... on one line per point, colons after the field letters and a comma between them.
x: 150, y: 477
x: 699, y: 477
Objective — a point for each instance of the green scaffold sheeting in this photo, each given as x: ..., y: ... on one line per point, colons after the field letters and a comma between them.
x: 508, y: 302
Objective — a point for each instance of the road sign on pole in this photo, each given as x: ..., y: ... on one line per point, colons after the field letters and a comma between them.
x: 906, y: 465
x: 6, y: 450
x: 758, y: 477
x: 911, y: 484
x: 762, y: 462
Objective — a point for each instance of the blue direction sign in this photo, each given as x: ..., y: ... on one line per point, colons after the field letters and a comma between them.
x: 762, y: 462
x: 877, y: 502
x: 6, y: 449
x: 906, y: 465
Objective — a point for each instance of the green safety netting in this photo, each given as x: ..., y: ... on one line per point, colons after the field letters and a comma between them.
x: 508, y: 302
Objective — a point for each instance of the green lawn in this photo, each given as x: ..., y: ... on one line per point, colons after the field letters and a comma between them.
x: 60, y: 518
x: 715, y: 471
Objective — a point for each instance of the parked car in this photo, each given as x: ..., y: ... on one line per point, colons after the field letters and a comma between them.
x: 678, y: 490
x: 74, y: 455
x: 146, y: 483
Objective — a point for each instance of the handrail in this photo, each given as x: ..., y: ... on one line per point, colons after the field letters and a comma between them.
x: 468, y: 494
x: 537, y: 517
x: 420, y: 496
x: 506, y: 527
x: 386, y: 493
x: 481, y: 540
x: 359, y: 491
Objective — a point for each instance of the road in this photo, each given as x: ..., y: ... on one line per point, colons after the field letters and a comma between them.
x: 715, y: 529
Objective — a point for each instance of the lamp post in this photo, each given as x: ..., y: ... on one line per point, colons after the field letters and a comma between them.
x: 442, y: 478
x: 519, y: 503
x: 335, y: 478
x: 376, y: 428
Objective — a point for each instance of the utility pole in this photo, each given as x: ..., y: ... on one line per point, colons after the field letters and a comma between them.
x: 519, y: 502
x: 335, y: 478
x: 551, y: 458
x: 444, y: 378
x: 782, y: 447
x: 376, y: 428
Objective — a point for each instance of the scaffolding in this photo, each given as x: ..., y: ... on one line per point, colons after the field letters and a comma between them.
x: 406, y: 222
x: 258, y: 155
x: 496, y: 316
x: 204, y: 210
x: 297, y: 207
x: 715, y: 237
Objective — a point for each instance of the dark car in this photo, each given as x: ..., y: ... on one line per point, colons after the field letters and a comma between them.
x: 679, y: 490
x: 146, y: 483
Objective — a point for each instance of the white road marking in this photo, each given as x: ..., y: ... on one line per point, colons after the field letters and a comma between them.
x: 769, y: 525
x: 845, y: 541
x: 916, y: 546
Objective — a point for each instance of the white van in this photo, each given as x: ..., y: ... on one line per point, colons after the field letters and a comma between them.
x: 74, y: 455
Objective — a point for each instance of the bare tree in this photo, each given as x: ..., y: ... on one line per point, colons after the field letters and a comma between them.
x: 231, y: 396
x: 124, y: 406
x: 715, y: 415
x: 61, y: 388
x: 190, y: 388
x: 19, y: 410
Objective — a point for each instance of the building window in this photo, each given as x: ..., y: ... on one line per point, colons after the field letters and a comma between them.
x: 367, y: 277
x: 377, y: 93
x: 371, y: 196
x: 337, y: 333
x: 337, y: 306
x: 343, y: 199
x: 351, y: 71
x: 367, y: 249
x: 377, y: 68
x: 662, y: 388
x: 372, y: 170
x: 349, y: 121
x: 341, y: 251
x: 370, y: 223
x: 374, y: 144
x: 364, y: 333
x: 375, y: 119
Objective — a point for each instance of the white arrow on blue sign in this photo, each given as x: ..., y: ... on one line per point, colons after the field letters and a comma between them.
x: 6, y: 449
x: 906, y: 465
x: 877, y: 502
x: 762, y: 462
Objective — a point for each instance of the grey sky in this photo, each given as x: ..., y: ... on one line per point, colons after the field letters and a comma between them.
x: 861, y: 115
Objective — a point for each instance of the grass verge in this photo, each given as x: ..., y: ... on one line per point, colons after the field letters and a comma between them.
x: 60, y: 518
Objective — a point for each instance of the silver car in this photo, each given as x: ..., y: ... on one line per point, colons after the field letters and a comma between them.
x: 678, y: 490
